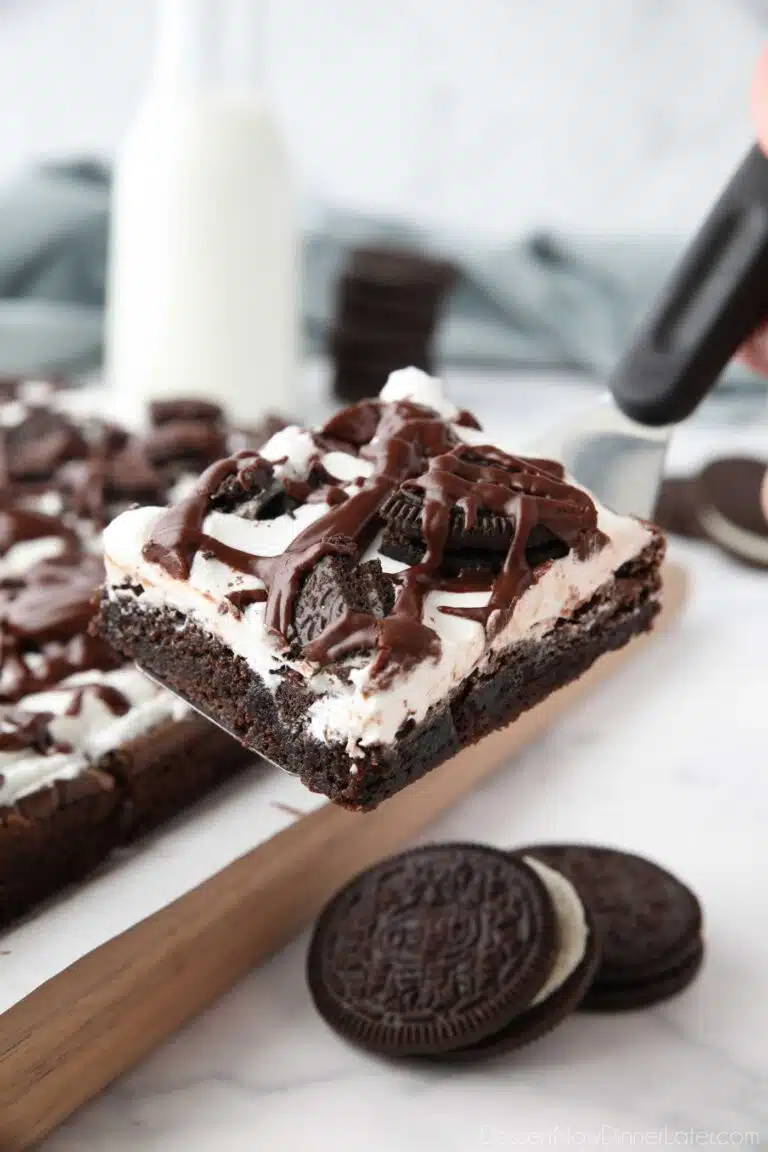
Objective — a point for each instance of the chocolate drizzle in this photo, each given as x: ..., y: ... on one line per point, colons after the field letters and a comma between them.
x: 19, y: 524
x: 178, y: 536
x: 415, y: 452
x: 35, y: 447
x: 34, y: 668
x: 20, y: 731
x: 242, y: 599
x: 526, y: 493
x: 112, y: 698
x: 95, y: 469
x: 115, y: 471
x: 55, y: 601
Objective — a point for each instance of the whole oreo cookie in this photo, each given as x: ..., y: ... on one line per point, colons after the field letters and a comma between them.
x: 649, y: 923
x: 627, y: 997
x: 574, y: 970
x: 675, y: 510
x: 433, y: 950
x: 729, y: 509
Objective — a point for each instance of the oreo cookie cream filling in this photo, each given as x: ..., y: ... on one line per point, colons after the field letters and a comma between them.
x: 365, y: 598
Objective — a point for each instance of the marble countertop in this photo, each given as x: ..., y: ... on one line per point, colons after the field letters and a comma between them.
x: 668, y: 759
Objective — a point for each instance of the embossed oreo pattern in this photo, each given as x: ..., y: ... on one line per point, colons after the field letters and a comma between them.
x: 649, y: 921
x: 541, y: 1018
x: 432, y: 950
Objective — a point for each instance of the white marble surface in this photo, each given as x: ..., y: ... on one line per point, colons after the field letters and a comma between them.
x: 667, y: 759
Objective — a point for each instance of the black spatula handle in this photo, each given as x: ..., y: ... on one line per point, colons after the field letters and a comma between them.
x: 714, y: 300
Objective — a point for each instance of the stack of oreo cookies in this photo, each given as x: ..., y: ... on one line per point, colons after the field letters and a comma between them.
x: 387, y: 312
x: 457, y: 952
x: 721, y: 504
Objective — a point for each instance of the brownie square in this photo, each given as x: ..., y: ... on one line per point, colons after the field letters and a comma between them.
x: 54, y: 837
x: 398, y: 588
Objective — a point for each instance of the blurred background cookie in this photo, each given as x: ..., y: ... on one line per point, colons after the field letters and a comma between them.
x: 729, y: 510
x: 388, y: 308
x: 721, y: 504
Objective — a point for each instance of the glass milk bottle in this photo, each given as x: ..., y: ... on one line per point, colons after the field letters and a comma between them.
x: 202, y: 293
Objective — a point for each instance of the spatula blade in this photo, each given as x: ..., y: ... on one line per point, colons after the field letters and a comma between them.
x: 206, y: 715
x: 618, y: 460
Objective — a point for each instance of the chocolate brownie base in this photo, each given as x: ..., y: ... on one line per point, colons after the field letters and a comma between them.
x: 54, y: 837
x: 198, y: 666
x: 168, y: 768
x: 58, y: 835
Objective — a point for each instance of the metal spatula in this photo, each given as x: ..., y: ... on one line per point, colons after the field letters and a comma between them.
x: 714, y: 300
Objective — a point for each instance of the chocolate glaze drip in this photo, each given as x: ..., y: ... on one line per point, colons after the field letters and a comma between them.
x: 55, y: 600
x: 177, y: 535
x: 320, y: 487
x: 116, y: 469
x: 410, y: 447
x: 22, y: 730
x: 331, y: 495
x: 35, y: 448
x: 466, y: 419
x: 112, y: 698
x: 44, y: 619
x: 192, y: 440
x: 525, y: 492
x: 28, y: 669
x: 355, y: 425
x: 18, y: 524
x: 240, y: 600
x: 46, y: 610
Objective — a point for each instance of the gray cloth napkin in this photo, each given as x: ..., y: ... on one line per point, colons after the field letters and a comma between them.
x: 546, y: 302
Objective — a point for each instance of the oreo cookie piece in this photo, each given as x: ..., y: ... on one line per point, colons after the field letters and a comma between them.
x: 43, y: 440
x: 649, y: 923
x: 55, y: 600
x: 676, y: 511
x: 574, y: 970
x: 482, y: 546
x: 403, y: 513
x: 131, y: 473
x: 729, y: 509
x: 338, y: 585
x: 249, y: 490
x: 432, y: 950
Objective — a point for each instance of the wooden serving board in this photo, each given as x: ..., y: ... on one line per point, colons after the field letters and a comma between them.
x: 69, y: 1038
